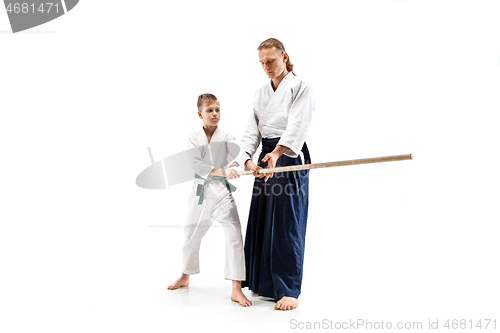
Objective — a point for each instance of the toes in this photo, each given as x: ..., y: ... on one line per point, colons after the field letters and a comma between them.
x: 244, y: 303
x: 284, y: 306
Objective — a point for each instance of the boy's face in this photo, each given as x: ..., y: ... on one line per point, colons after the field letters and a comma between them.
x: 210, y: 113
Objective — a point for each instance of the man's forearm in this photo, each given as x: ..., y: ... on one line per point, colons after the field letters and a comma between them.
x: 280, y: 150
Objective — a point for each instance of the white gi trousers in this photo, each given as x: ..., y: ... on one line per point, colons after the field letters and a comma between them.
x: 218, y: 205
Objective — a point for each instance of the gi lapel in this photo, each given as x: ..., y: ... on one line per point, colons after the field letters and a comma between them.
x: 276, y: 98
x: 218, y: 150
x: 208, y: 147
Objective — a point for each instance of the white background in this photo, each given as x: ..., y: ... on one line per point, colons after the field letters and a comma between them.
x: 83, y: 249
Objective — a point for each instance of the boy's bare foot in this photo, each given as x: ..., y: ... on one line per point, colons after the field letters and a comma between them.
x: 183, y: 281
x: 286, y: 303
x: 238, y: 296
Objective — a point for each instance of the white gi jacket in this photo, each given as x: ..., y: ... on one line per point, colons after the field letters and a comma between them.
x: 284, y: 113
x: 205, y: 157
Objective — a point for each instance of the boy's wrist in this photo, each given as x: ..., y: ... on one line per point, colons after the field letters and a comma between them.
x: 215, y: 172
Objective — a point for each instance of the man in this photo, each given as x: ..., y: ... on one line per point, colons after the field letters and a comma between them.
x: 275, y: 237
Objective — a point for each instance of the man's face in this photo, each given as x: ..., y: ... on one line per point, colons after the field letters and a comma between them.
x: 210, y: 113
x: 273, y: 62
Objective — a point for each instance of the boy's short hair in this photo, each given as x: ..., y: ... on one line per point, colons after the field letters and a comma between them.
x: 205, y: 98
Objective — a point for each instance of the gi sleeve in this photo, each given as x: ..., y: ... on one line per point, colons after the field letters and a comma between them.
x: 251, y: 136
x: 198, y: 163
x: 242, y: 156
x: 299, y: 120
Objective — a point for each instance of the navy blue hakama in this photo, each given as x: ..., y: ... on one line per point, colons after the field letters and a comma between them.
x: 276, y: 230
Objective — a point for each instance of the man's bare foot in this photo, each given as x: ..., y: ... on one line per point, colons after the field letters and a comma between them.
x: 238, y: 296
x: 183, y: 281
x: 286, y: 303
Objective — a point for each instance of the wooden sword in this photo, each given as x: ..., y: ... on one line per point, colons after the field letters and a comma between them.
x: 332, y: 164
